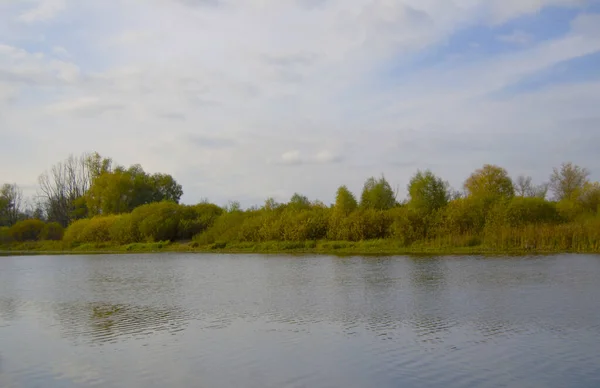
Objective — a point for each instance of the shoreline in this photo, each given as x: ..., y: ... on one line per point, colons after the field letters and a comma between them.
x: 365, y: 248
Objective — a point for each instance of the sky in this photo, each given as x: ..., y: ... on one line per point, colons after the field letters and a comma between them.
x: 246, y: 100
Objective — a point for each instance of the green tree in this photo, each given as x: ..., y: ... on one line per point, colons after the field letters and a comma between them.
x: 121, y: 190
x: 298, y: 202
x: 490, y: 182
x: 377, y: 194
x: 111, y: 193
x: 567, y: 180
x: 165, y: 188
x: 428, y: 193
x: 345, y: 201
x: 589, y: 197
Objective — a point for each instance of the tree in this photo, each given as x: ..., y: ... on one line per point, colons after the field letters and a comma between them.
x: 122, y: 190
x: 345, y: 202
x: 377, y: 194
x: 67, y: 181
x: 299, y: 202
x: 11, y: 203
x: 524, y: 187
x: 111, y: 193
x: 567, y: 180
x: 589, y: 197
x: 427, y: 192
x: 490, y: 182
x: 165, y: 188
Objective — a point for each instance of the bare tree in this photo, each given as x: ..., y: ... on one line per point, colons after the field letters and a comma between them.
x: 12, y: 199
x: 68, y: 181
x: 567, y: 179
x: 524, y: 187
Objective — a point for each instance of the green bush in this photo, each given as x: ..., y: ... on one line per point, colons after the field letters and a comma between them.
x: 27, y: 230
x: 523, y: 211
x: 5, y: 236
x: 98, y: 229
x: 74, y: 232
x: 196, y: 219
x: 52, y: 231
x: 123, y: 230
x: 157, y: 221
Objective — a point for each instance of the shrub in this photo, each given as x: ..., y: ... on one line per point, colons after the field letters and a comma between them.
x: 27, y: 230
x: 98, y: 229
x: 157, y: 221
x: 52, y: 231
x: 123, y: 230
x: 74, y: 232
x: 523, y: 211
x: 5, y: 236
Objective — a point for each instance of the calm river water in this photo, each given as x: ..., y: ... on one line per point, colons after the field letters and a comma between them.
x: 179, y: 320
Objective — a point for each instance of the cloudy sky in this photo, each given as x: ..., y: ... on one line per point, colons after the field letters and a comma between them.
x: 244, y: 100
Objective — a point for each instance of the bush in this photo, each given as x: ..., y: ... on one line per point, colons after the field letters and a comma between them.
x: 74, y: 232
x: 98, y: 229
x: 123, y: 230
x: 157, y: 221
x: 52, y: 231
x: 27, y: 230
x: 524, y: 211
x: 196, y: 219
x: 226, y: 228
x: 5, y: 236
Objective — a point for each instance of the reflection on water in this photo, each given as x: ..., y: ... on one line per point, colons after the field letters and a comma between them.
x: 267, y: 321
x: 103, y: 322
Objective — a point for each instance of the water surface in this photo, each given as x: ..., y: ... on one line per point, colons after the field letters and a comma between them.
x: 178, y: 320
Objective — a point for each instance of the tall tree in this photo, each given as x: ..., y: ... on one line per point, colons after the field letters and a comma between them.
x: 11, y: 204
x: 122, y: 190
x: 63, y: 186
x: 377, y: 194
x: 427, y: 192
x: 567, y: 180
x: 345, y: 201
x: 490, y: 182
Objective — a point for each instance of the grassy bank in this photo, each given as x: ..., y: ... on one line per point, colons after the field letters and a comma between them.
x: 370, y: 247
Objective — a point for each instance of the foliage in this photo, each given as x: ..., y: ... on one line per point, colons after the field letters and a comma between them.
x: 490, y: 182
x: 567, y: 180
x: 377, y: 194
x: 5, y: 235
x: 52, y: 231
x: 427, y: 192
x: 27, y: 230
x: 345, y: 201
x: 132, y: 210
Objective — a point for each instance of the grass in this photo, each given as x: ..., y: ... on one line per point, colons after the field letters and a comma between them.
x: 368, y: 247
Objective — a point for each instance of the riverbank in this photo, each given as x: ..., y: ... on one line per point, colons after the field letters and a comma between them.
x: 369, y: 247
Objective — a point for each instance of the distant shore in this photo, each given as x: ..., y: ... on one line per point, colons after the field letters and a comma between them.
x: 372, y: 247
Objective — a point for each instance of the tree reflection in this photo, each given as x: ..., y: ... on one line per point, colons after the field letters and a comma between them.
x: 105, y: 322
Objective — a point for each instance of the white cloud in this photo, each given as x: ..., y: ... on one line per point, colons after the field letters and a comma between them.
x: 291, y: 157
x: 42, y: 11
x: 227, y: 96
x: 83, y: 107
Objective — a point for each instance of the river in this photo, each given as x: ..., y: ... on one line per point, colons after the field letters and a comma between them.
x: 190, y: 320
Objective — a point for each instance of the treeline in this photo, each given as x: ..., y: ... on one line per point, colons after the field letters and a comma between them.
x: 123, y: 206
